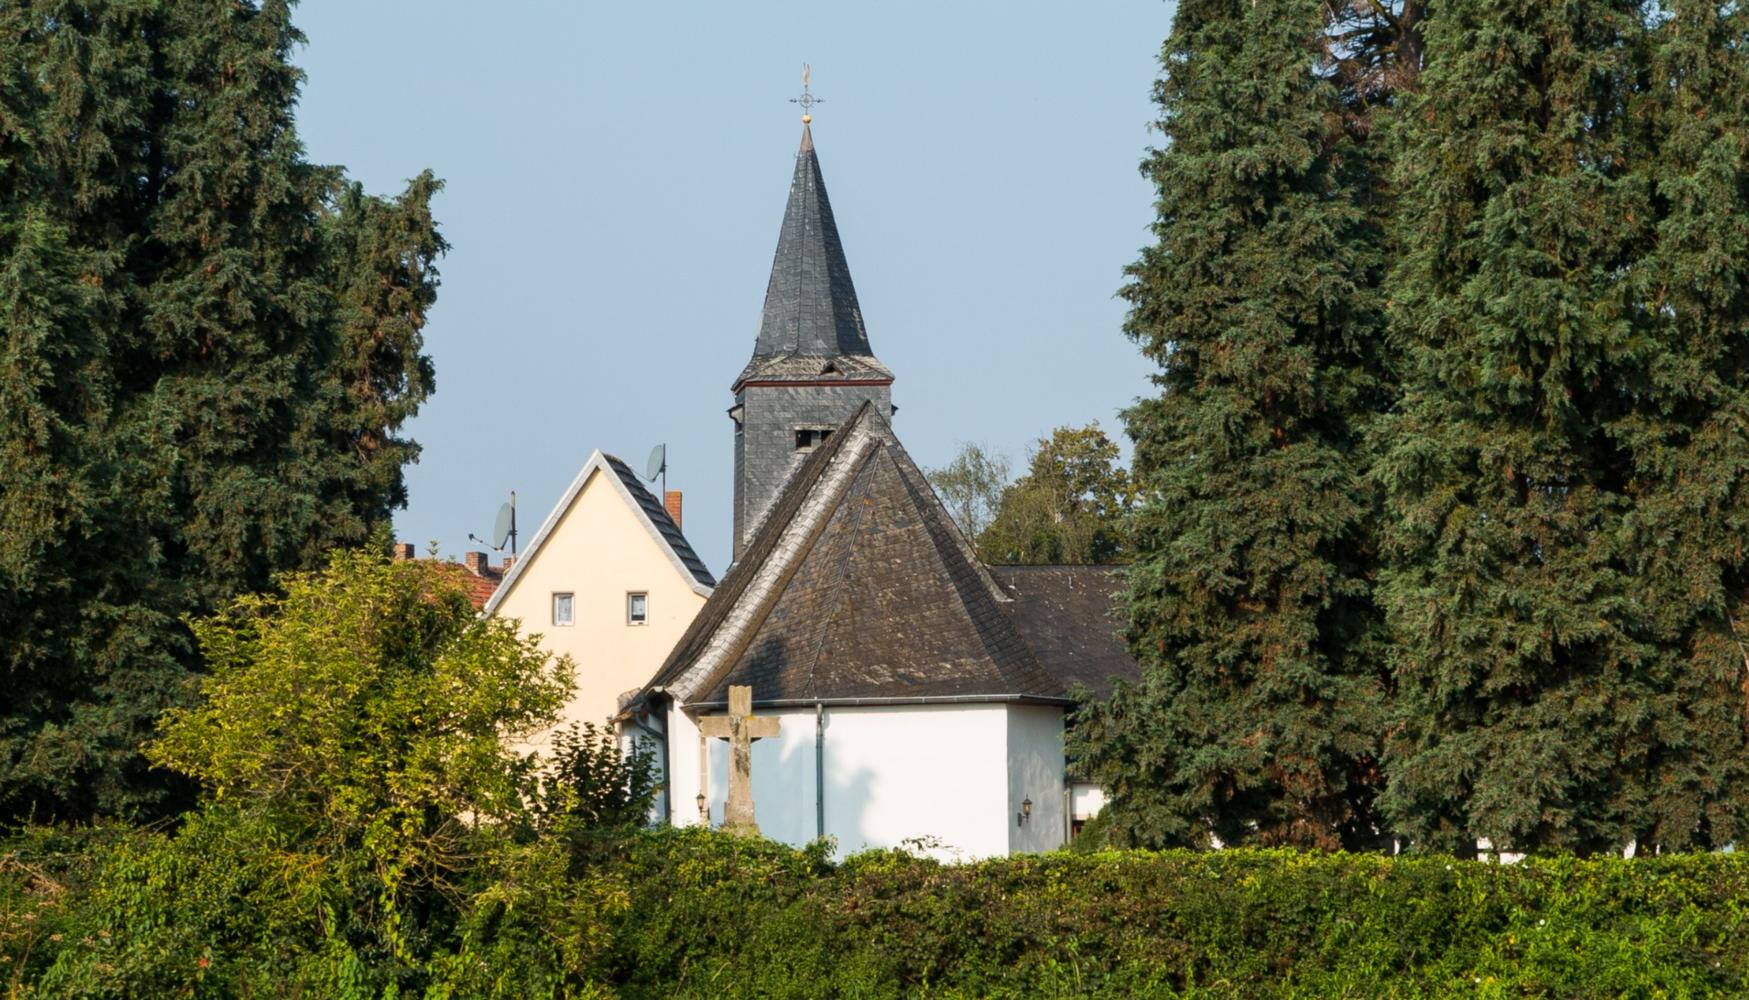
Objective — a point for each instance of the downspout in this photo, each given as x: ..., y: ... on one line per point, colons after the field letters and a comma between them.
x: 819, y: 770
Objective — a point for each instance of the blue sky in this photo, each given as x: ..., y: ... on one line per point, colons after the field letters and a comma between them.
x: 616, y: 176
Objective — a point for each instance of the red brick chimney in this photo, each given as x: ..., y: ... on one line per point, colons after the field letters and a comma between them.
x: 509, y: 561
x: 403, y: 551
x: 477, y: 563
x: 671, y: 500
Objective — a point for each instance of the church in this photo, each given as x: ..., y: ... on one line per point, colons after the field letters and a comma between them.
x: 901, y: 692
x: 920, y: 696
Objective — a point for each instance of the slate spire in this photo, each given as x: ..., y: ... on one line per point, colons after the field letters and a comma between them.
x: 811, y: 367
x: 810, y: 302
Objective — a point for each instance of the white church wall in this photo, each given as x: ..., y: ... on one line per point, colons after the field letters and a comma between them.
x: 1035, y: 771
x: 783, y: 779
x: 938, y: 773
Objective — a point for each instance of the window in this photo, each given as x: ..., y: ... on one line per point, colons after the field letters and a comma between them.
x: 809, y: 437
x: 637, y: 609
x: 564, y: 606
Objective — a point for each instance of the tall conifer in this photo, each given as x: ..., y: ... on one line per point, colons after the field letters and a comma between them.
x: 209, y: 343
x: 1258, y: 718
x: 1529, y: 687
x: 1688, y: 440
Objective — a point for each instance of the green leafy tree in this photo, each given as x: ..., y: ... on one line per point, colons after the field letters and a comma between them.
x: 207, y: 347
x: 971, y: 487
x: 1259, y: 715
x: 365, y: 816
x: 1068, y: 508
x: 595, y: 783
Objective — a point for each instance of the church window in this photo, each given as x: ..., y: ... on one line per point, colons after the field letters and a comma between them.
x: 637, y: 609
x: 564, y: 606
x: 807, y: 438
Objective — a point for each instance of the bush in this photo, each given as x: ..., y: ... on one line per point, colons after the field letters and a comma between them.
x: 711, y: 915
x: 221, y: 909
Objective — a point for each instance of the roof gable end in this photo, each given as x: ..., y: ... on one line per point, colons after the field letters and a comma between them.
x: 645, y: 508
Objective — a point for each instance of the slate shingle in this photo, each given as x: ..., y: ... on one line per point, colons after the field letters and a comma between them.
x: 1070, y: 616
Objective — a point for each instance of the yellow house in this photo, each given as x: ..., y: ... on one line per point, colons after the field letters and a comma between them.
x: 608, y: 580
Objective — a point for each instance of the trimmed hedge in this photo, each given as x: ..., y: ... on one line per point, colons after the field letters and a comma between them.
x: 724, y: 919
x: 701, y: 914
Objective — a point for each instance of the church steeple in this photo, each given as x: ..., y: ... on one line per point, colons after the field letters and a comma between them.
x: 812, y: 367
x: 810, y: 301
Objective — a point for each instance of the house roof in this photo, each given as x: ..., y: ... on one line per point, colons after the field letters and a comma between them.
x: 478, y: 587
x: 1069, y: 615
x: 810, y: 302
x: 857, y: 588
x: 644, y: 505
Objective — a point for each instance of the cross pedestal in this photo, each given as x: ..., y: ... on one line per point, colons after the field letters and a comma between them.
x: 740, y: 727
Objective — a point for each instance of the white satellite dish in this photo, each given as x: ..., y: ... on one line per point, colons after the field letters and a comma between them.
x: 657, y: 463
x: 506, y: 523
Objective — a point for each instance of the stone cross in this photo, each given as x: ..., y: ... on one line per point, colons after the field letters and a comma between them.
x: 740, y: 727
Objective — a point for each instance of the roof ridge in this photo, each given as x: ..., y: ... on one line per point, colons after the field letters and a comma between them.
x: 780, y: 516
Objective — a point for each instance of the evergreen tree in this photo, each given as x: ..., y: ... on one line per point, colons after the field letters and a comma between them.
x: 1688, y: 440
x: 208, y: 343
x: 1258, y: 716
x: 1538, y: 682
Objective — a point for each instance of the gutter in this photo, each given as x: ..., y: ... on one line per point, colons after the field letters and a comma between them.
x: 941, y: 699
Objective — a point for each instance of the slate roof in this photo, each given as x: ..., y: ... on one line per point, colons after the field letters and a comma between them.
x: 1069, y: 615
x: 810, y: 302
x: 663, y: 522
x: 858, y: 588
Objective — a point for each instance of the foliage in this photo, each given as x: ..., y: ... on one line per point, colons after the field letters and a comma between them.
x: 971, y: 487
x: 597, y: 783
x: 207, y: 347
x: 681, y: 913
x: 362, y: 802
x: 1567, y: 475
x: 1067, y: 509
x: 1259, y: 714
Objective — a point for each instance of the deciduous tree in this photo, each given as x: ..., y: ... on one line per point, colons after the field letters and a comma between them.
x: 1067, y: 508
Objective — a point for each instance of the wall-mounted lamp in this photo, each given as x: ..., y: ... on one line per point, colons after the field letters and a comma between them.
x: 703, y: 806
x: 1025, y: 812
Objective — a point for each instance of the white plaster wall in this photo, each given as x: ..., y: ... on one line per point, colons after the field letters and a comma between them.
x: 1035, y: 771
x: 683, y: 772
x: 892, y: 774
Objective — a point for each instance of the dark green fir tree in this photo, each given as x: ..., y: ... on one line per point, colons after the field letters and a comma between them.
x: 207, y: 345
x: 1539, y: 683
x: 1258, y: 719
x: 1687, y: 783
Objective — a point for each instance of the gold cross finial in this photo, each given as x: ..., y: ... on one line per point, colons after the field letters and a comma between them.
x: 807, y: 100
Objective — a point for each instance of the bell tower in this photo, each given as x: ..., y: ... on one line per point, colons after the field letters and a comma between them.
x: 812, y: 367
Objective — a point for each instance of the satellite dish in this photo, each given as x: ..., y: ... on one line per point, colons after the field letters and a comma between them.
x: 505, y: 525
x: 658, y: 462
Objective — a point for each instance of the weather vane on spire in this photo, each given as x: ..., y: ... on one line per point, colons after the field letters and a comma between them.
x: 807, y: 100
